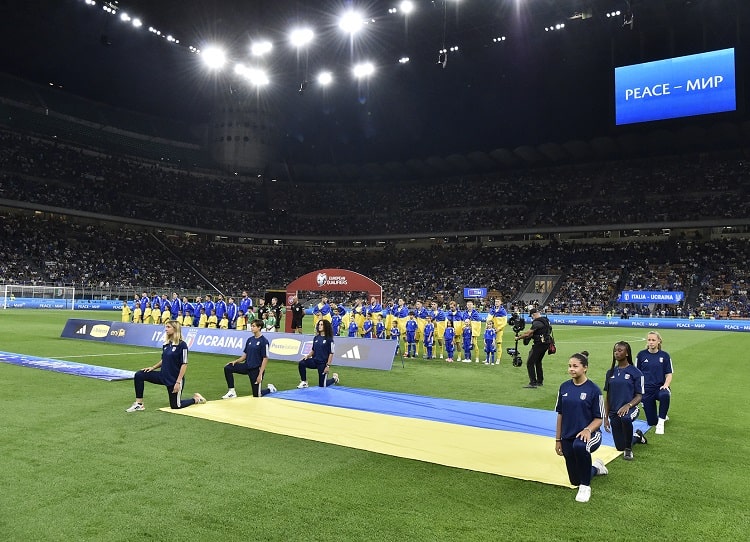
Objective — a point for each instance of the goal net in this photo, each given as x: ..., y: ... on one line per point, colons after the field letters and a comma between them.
x: 19, y: 296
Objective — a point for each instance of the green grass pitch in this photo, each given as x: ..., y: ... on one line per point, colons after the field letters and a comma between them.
x: 75, y: 466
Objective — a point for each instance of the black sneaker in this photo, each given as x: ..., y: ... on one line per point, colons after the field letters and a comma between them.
x: 530, y: 386
x: 641, y: 436
x: 628, y: 454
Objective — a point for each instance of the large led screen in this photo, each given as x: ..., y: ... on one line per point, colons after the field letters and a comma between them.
x: 677, y: 87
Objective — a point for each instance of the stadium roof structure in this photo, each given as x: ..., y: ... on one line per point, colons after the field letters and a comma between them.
x: 513, y: 92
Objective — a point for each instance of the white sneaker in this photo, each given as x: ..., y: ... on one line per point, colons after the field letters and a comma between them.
x: 135, y: 407
x: 441, y: 356
x: 272, y: 388
x: 301, y: 385
x: 476, y: 360
x: 600, y: 467
x: 659, y: 428
x: 466, y: 360
x: 335, y: 377
x: 584, y: 493
x: 231, y: 394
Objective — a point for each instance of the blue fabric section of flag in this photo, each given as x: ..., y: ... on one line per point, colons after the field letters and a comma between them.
x: 484, y: 415
x: 67, y: 367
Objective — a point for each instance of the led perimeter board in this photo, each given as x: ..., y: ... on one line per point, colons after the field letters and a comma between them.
x: 677, y: 87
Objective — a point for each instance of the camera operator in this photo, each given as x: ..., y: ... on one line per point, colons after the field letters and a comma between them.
x: 539, y: 333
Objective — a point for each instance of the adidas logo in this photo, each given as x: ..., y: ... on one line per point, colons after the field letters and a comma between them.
x: 81, y: 331
x: 353, y: 353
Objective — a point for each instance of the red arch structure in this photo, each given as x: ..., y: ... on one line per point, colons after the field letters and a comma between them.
x: 331, y: 280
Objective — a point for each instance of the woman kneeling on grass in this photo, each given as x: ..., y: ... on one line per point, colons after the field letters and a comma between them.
x: 174, y: 358
x: 580, y: 412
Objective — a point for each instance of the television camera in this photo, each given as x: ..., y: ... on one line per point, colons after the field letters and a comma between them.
x: 518, y: 323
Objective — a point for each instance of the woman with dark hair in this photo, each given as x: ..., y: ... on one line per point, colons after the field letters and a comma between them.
x: 580, y: 410
x: 624, y: 387
x: 320, y: 357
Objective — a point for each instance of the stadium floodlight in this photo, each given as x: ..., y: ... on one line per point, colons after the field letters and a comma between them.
x: 253, y: 75
x: 137, y: 23
x: 403, y: 60
x: 325, y: 78
x: 124, y: 17
x: 301, y: 36
x: 260, y: 48
x: 351, y: 22
x: 406, y: 7
x: 364, y: 69
x: 214, y: 57
x: 90, y: 3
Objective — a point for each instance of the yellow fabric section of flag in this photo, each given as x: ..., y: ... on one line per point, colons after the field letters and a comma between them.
x: 505, y: 453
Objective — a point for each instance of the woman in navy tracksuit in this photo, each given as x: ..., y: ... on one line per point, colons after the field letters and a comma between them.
x: 173, y: 364
x: 320, y: 357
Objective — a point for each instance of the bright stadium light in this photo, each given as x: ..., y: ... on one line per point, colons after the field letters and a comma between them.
x: 137, y: 23
x: 253, y: 75
x: 260, y: 48
x: 214, y: 57
x: 406, y: 7
x: 325, y: 78
x: 124, y: 17
x: 364, y: 69
x: 351, y: 22
x: 301, y: 37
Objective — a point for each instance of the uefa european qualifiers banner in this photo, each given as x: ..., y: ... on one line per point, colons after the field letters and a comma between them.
x: 677, y: 87
x: 349, y: 352
x: 651, y: 323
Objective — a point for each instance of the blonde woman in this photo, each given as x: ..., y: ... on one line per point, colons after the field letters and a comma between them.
x: 173, y: 365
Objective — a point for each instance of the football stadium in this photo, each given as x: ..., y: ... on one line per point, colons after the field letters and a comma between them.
x: 510, y: 238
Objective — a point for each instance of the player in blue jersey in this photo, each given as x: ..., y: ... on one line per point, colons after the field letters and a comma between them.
x: 379, y: 326
x: 490, y: 347
x: 438, y: 318
x: 368, y: 327
x: 336, y: 322
x: 448, y: 336
x: 320, y: 357
x: 232, y: 313
x: 175, y: 306
x: 173, y: 364
x: 499, y: 317
x: 429, y: 336
x: 475, y: 323
x: 252, y: 362
x: 656, y: 366
x: 353, y: 329
x: 411, y: 327
x: 580, y: 412
x: 468, y: 341
x: 624, y: 386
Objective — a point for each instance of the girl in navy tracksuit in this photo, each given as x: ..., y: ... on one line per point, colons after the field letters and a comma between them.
x: 580, y: 410
x: 624, y: 387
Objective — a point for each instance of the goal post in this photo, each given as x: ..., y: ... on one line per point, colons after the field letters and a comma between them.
x: 38, y: 297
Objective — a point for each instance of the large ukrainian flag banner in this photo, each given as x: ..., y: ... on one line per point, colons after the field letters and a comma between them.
x: 508, y: 441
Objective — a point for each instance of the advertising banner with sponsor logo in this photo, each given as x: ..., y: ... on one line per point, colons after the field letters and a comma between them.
x: 349, y: 352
